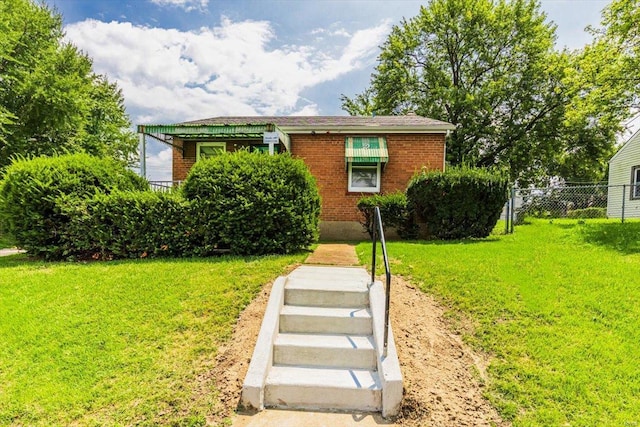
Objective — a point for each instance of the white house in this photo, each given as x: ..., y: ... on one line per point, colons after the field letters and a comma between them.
x: 624, y: 180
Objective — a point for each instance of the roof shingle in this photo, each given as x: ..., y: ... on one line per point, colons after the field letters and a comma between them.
x: 408, y: 121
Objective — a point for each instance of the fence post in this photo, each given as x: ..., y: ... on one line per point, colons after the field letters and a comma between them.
x: 624, y: 197
x: 507, y: 216
x: 513, y: 208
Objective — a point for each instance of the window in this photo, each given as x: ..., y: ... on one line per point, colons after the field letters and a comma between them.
x: 635, y: 182
x: 262, y: 148
x: 364, y: 177
x: 364, y: 156
x: 205, y: 150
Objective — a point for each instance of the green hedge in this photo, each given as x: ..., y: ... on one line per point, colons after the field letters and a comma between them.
x: 394, y: 213
x: 460, y: 203
x: 80, y: 207
x: 129, y: 225
x: 33, y: 193
x: 588, y: 213
x: 253, y: 203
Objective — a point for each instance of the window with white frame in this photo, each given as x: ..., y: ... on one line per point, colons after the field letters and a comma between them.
x: 364, y: 178
x: 205, y: 150
x: 635, y: 182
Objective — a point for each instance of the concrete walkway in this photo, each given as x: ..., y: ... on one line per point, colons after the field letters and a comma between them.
x: 339, y: 254
x: 283, y: 418
x: 12, y: 251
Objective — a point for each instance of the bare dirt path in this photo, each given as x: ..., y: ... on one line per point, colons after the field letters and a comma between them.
x: 442, y: 377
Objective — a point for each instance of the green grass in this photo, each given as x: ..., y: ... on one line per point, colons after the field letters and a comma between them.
x: 556, y: 304
x: 119, y: 343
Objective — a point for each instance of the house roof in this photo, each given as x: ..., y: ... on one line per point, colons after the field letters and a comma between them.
x: 367, y: 124
x: 634, y: 138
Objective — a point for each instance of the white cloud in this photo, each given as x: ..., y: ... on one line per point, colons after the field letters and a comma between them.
x: 187, y: 5
x: 236, y: 68
x: 159, y: 165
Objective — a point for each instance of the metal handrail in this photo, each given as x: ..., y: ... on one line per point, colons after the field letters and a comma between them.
x: 378, y: 230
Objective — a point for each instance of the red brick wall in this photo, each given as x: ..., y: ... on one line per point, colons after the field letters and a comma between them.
x: 324, y: 155
x: 182, y: 163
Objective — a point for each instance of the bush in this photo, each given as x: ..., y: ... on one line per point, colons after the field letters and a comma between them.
x: 460, y: 203
x: 33, y: 193
x: 129, y: 225
x: 252, y: 203
x: 588, y: 213
x: 394, y: 213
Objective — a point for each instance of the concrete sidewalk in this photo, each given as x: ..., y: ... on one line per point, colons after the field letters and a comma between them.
x: 11, y: 251
x: 284, y: 418
x: 338, y: 254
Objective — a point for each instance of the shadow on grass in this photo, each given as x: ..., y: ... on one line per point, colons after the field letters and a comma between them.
x: 490, y: 239
x: 624, y: 238
x: 20, y: 260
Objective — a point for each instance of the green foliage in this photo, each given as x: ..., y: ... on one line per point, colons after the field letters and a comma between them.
x: 5, y: 241
x: 490, y: 68
x: 588, y: 213
x: 35, y: 194
x: 394, y: 213
x: 129, y: 224
x: 51, y: 101
x: 251, y: 203
x: 460, y: 203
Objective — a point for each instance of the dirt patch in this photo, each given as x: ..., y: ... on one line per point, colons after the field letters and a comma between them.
x: 441, y: 388
x: 443, y: 378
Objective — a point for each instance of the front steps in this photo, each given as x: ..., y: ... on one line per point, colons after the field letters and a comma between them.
x: 320, y: 346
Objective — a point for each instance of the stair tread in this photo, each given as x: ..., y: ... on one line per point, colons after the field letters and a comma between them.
x: 340, y: 341
x: 303, y: 310
x: 306, y: 376
x: 331, y: 273
x: 318, y: 284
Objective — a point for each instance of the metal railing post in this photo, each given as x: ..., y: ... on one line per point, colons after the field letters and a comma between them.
x: 373, y: 251
x: 378, y: 230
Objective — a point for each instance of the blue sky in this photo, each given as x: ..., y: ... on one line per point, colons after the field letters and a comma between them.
x: 178, y: 60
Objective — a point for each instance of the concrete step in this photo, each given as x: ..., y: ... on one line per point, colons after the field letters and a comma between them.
x: 325, y: 320
x: 345, y: 274
x: 323, y: 388
x: 325, y: 293
x: 345, y: 351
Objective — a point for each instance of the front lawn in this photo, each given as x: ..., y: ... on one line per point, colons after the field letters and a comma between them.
x: 119, y: 343
x: 557, y: 304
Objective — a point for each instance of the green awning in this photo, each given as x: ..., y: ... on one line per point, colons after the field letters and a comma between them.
x: 367, y: 149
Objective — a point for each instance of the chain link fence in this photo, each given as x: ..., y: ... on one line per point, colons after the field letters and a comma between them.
x: 579, y: 201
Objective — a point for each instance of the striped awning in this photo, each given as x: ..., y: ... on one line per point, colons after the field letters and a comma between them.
x: 366, y: 149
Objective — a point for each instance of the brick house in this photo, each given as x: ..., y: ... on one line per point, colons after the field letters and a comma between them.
x: 350, y: 156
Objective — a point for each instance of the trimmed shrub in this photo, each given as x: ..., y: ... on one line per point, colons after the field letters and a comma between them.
x: 129, y: 225
x: 251, y: 203
x: 394, y: 213
x: 34, y: 192
x: 460, y: 203
x: 588, y: 213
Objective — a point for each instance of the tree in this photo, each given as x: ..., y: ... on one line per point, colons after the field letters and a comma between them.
x: 604, y: 85
x: 50, y: 98
x: 490, y: 68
